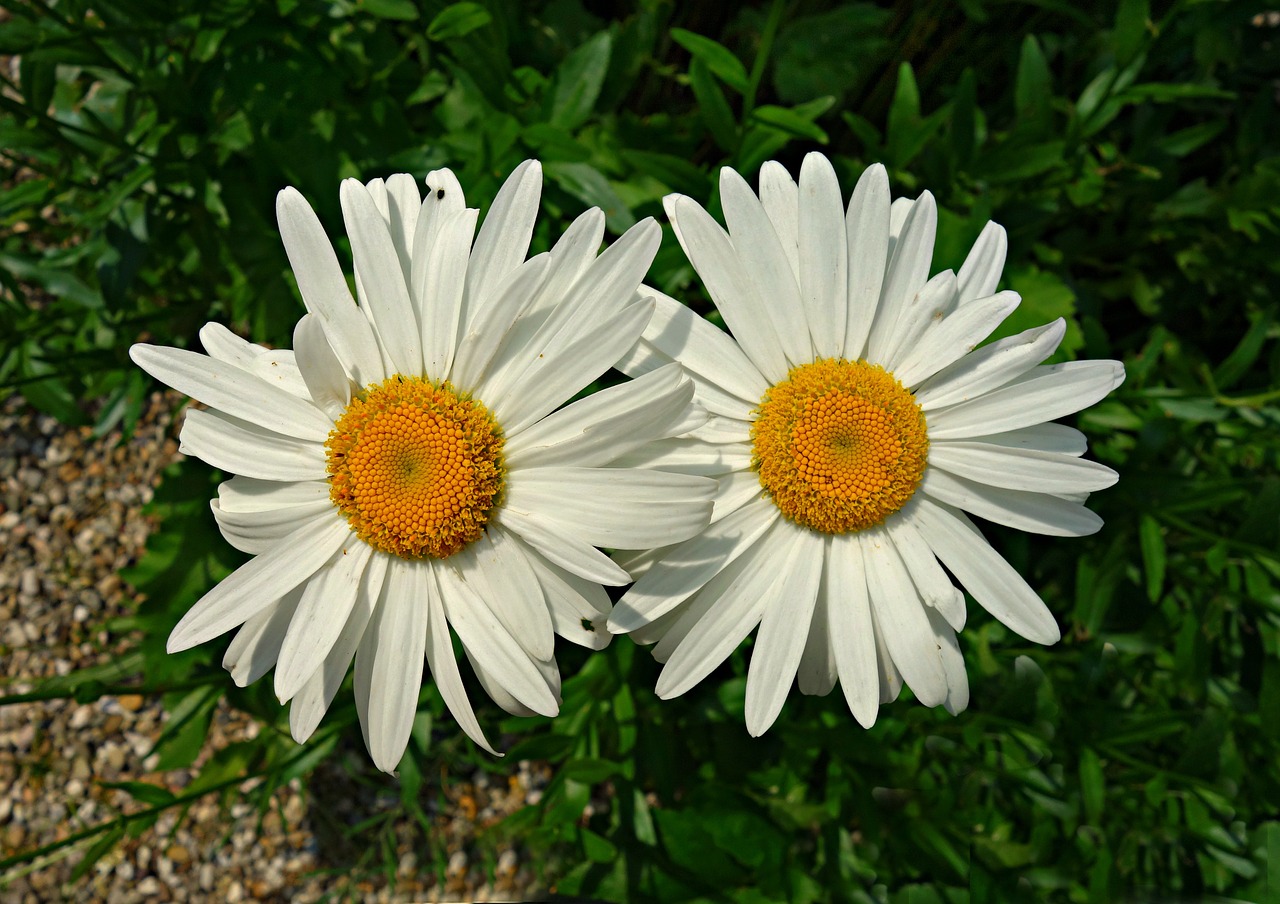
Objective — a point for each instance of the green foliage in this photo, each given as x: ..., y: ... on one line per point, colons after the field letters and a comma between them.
x: 1132, y: 152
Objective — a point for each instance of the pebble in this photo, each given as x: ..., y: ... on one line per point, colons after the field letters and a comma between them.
x: 71, y: 519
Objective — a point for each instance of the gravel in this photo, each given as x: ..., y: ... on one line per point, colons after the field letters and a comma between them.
x: 71, y: 517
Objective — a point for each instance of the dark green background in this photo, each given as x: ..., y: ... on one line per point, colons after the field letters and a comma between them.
x: 1132, y: 152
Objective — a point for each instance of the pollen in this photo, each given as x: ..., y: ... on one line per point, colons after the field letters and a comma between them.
x: 415, y: 467
x: 839, y: 445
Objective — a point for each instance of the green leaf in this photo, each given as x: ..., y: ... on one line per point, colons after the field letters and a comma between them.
x: 1130, y: 31
x: 398, y: 10
x: 713, y: 106
x: 458, y: 19
x: 791, y: 121
x: 1151, y: 540
x: 587, y: 184
x: 1044, y: 297
x: 1192, y: 138
x: 597, y: 848
x: 1239, y: 363
x: 1015, y: 161
x: 1162, y: 92
x: 97, y: 851
x: 188, y: 726
x: 676, y: 173
x: 907, y: 131
x: 37, y: 79
x: 144, y: 792
x: 1033, y: 91
x: 718, y: 58
x: 578, y: 81
x: 553, y: 143
x: 590, y: 771
x: 1093, y: 786
x: 964, y: 119
x: 833, y: 52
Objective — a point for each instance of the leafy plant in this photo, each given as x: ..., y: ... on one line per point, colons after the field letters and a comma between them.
x: 1131, y: 152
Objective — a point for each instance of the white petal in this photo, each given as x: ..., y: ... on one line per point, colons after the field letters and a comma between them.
x: 579, y: 609
x: 1055, y: 438
x: 890, y: 678
x: 256, y: 646
x: 403, y: 207
x: 326, y: 603
x: 224, y: 345
x: 733, y: 491
x: 991, y: 581
x: 824, y: 255
x: 1036, y: 513
x: 259, y: 582
x: 439, y: 278
x: 952, y: 663
x: 546, y: 337
x: 726, y: 380
x: 309, y: 704
x: 712, y: 255
x: 324, y: 289
x: 233, y: 390
x: 955, y: 336
x: 548, y: 671
x: 237, y: 446
x: 990, y: 366
x: 781, y: 199
x: 900, y: 615
x: 867, y: 228
x: 844, y: 583
x: 485, y: 331
x: 732, y: 604
x: 767, y: 267
x: 572, y: 255
x: 498, y: 569
x: 257, y: 532
x: 931, y: 582
x: 1046, y: 393
x: 817, y: 674
x: 279, y: 367
x: 1021, y: 469
x: 389, y: 661
x: 980, y: 273
x: 247, y: 494
x: 690, y: 566
x: 562, y: 546
x: 591, y: 353
x: 492, y: 646
x: 504, y: 238
x: 593, y: 431
x: 907, y: 273
x: 444, y: 192
x: 784, y: 629
x: 326, y: 381
x: 662, y: 631
x: 919, y: 315
x: 615, y: 507
x: 378, y: 271
x: 689, y: 456
x: 444, y: 668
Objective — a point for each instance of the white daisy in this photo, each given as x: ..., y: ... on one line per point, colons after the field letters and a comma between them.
x: 853, y: 425
x: 404, y: 469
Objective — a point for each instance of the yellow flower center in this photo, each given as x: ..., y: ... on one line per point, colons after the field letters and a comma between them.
x: 839, y: 445
x: 415, y: 468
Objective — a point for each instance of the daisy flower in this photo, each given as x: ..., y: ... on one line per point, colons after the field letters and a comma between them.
x: 853, y: 426
x: 405, y: 469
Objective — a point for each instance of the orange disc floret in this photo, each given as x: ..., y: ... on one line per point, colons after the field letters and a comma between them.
x: 839, y: 445
x: 415, y: 467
